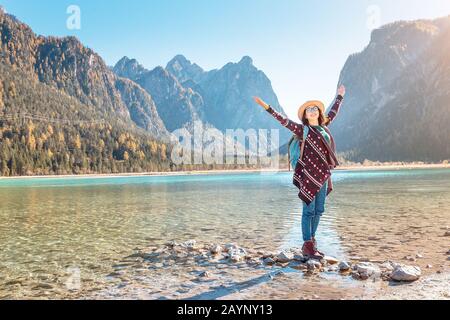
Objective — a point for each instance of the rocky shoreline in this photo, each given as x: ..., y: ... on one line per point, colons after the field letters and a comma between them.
x: 194, y: 270
x: 231, y: 253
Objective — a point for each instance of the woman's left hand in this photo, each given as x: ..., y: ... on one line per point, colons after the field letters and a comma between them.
x: 341, y: 90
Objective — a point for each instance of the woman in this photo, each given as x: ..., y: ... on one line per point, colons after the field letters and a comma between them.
x: 312, y: 174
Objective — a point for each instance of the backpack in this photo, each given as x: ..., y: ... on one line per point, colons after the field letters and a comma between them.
x: 295, y: 148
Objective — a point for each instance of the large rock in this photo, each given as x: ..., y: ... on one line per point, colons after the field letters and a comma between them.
x: 367, y: 270
x: 406, y: 273
x: 284, y: 257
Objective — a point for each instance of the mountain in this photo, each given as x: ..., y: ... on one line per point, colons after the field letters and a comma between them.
x: 398, y: 92
x: 65, y: 64
x: 178, y: 106
x: 222, y: 99
x: 227, y: 94
x: 141, y: 107
x: 128, y: 68
x: 62, y: 111
x: 184, y: 70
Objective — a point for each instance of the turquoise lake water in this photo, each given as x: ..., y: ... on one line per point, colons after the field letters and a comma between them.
x: 49, y: 226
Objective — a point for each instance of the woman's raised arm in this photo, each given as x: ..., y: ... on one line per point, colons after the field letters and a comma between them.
x: 296, y: 128
x: 337, y: 104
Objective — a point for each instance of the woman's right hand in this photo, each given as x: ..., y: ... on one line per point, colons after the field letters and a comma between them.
x: 261, y: 103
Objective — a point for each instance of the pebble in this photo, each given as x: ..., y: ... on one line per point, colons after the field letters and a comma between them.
x: 204, y: 274
x: 367, y: 269
x: 313, y: 264
x: 235, y: 258
x: 230, y: 246
x: 284, y: 257
x: 410, y: 258
x: 269, y: 261
x: 331, y: 260
x: 406, y: 273
x: 447, y: 234
x: 215, y: 249
x: 190, y: 244
x: 333, y: 268
x: 344, y: 266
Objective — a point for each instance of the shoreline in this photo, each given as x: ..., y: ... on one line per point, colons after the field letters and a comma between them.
x: 222, y: 171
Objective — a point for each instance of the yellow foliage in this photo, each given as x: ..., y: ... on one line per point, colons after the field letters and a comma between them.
x: 141, y: 155
x: 122, y: 138
x: 77, y: 142
x: 60, y: 137
x: 31, y: 142
x: 131, y: 145
x: 101, y: 144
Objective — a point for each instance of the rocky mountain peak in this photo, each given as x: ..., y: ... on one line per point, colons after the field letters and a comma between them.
x: 184, y: 70
x: 128, y: 68
x: 246, y: 61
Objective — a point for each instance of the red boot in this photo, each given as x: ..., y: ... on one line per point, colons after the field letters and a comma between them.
x: 310, y: 251
x: 315, y: 247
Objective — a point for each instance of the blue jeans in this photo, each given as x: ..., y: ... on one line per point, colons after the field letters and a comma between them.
x: 312, y: 213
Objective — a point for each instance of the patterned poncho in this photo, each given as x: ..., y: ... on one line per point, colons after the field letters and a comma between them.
x: 319, y: 156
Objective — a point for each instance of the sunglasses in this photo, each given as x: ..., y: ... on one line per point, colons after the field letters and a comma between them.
x: 312, y: 109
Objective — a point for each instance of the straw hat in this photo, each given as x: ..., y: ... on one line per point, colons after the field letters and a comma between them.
x: 313, y: 103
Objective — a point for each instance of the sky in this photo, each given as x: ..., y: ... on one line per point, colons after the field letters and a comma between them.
x: 301, y: 45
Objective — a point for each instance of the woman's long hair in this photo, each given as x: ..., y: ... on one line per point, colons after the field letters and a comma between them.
x: 323, y: 120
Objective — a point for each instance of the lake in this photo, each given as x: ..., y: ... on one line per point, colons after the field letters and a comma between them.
x: 54, y: 228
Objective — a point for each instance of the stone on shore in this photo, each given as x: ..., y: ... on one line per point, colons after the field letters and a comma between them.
x: 237, y: 254
x: 313, y: 264
x: 331, y: 260
x: 204, y: 274
x: 366, y: 270
x: 284, y: 257
x: 233, y: 256
x: 268, y: 261
x: 216, y: 249
x: 230, y: 246
x: 406, y: 273
x: 190, y: 244
x: 344, y: 266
